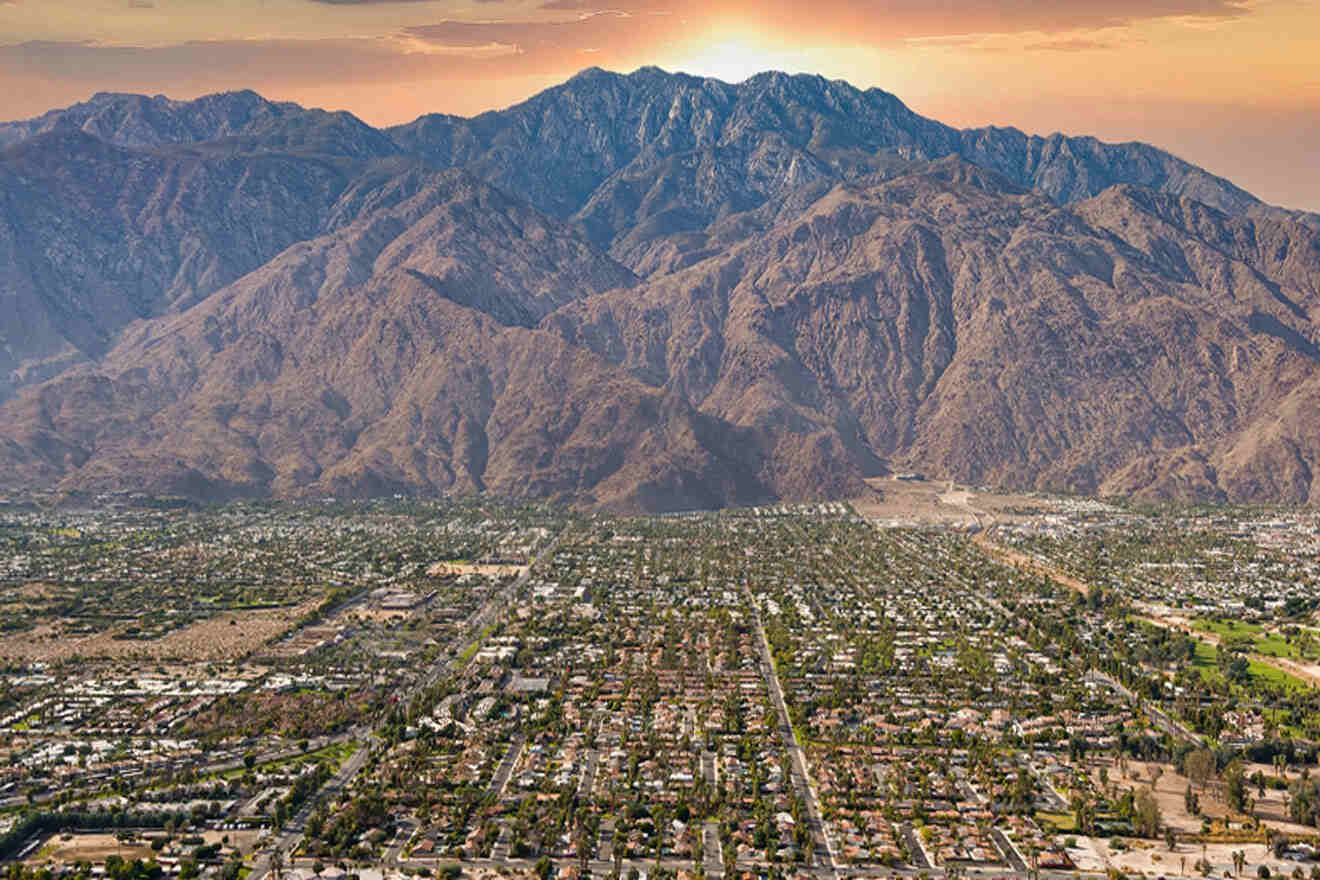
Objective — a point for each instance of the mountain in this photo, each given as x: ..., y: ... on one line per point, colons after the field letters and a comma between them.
x: 644, y: 292
x: 245, y: 118
x: 661, y: 153
x: 94, y: 236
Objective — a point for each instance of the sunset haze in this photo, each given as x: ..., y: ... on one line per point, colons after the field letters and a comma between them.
x: 1233, y: 86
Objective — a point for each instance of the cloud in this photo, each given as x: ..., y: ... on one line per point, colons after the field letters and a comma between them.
x: 1072, y: 45
x: 899, y: 20
x: 542, y: 44
x: 450, y: 63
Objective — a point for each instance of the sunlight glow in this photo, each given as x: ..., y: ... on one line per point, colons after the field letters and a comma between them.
x: 732, y: 60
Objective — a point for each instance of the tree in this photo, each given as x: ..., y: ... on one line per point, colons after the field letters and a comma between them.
x: 1235, y: 788
x: 1146, y: 814
x: 1191, y: 801
x: 1200, y: 766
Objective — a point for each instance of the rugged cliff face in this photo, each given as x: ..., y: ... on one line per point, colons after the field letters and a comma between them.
x: 647, y: 292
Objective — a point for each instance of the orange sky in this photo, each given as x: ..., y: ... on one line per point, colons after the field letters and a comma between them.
x: 1233, y: 85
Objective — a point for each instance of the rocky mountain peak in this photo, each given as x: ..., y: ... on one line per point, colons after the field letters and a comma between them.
x: 644, y: 291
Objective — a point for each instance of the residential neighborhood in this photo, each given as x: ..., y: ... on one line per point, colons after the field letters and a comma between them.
x: 468, y: 688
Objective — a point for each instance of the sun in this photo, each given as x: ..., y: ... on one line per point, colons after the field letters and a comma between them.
x: 732, y: 60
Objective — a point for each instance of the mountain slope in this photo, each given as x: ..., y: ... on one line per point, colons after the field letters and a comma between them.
x: 950, y: 322
x: 944, y: 319
x: 648, y: 292
x: 244, y: 118
x: 368, y: 361
x: 669, y: 153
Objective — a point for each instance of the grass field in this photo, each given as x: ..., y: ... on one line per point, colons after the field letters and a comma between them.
x: 1271, y: 644
x: 1228, y: 629
x: 1206, y: 661
x: 1062, y: 822
x: 336, y: 754
x: 1261, y: 672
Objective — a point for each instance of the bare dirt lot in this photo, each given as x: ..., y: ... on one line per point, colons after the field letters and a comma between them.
x: 91, y: 847
x: 935, y: 501
x: 1153, y: 859
x: 1170, y: 787
x: 441, y: 569
x: 228, y: 635
x: 96, y: 847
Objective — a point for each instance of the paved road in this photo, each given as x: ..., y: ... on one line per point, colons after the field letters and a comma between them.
x: 602, y: 868
x: 499, y: 853
x: 1008, y: 851
x: 287, y: 842
x: 500, y: 780
x: 588, y: 781
x: 709, y: 770
x: 714, y: 851
x: 918, y: 854
x: 824, y: 853
x: 401, y: 837
x: 605, y: 841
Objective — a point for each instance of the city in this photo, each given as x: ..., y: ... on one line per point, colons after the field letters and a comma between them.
x: 955, y: 684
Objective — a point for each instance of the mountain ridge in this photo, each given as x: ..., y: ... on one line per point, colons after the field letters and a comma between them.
x: 645, y: 291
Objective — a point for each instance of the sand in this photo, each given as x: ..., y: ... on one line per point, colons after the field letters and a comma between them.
x: 228, y: 635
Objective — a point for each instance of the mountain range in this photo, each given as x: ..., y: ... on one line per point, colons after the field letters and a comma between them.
x: 646, y: 292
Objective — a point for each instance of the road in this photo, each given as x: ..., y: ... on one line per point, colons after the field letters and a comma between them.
x: 289, y: 839
x: 401, y: 837
x: 588, y: 781
x: 714, y: 851
x: 915, y: 848
x: 1008, y: 851
x: 500, y: 780
x: 709, y: 769
x: 1154, y: 712
x: 824, y: 852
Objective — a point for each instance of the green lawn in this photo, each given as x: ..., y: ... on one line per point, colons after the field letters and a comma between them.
x: 337, y: 754
x: 1062, y: 822
x: 1261, y: 672
x: 1271, y: 644
x: 1206, y: 661
x: 1228, y: 629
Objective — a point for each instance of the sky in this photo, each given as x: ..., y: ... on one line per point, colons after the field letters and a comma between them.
x: 1232, y: 85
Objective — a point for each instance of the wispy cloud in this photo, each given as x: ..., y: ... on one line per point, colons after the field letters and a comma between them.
x: 1074, y: 45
